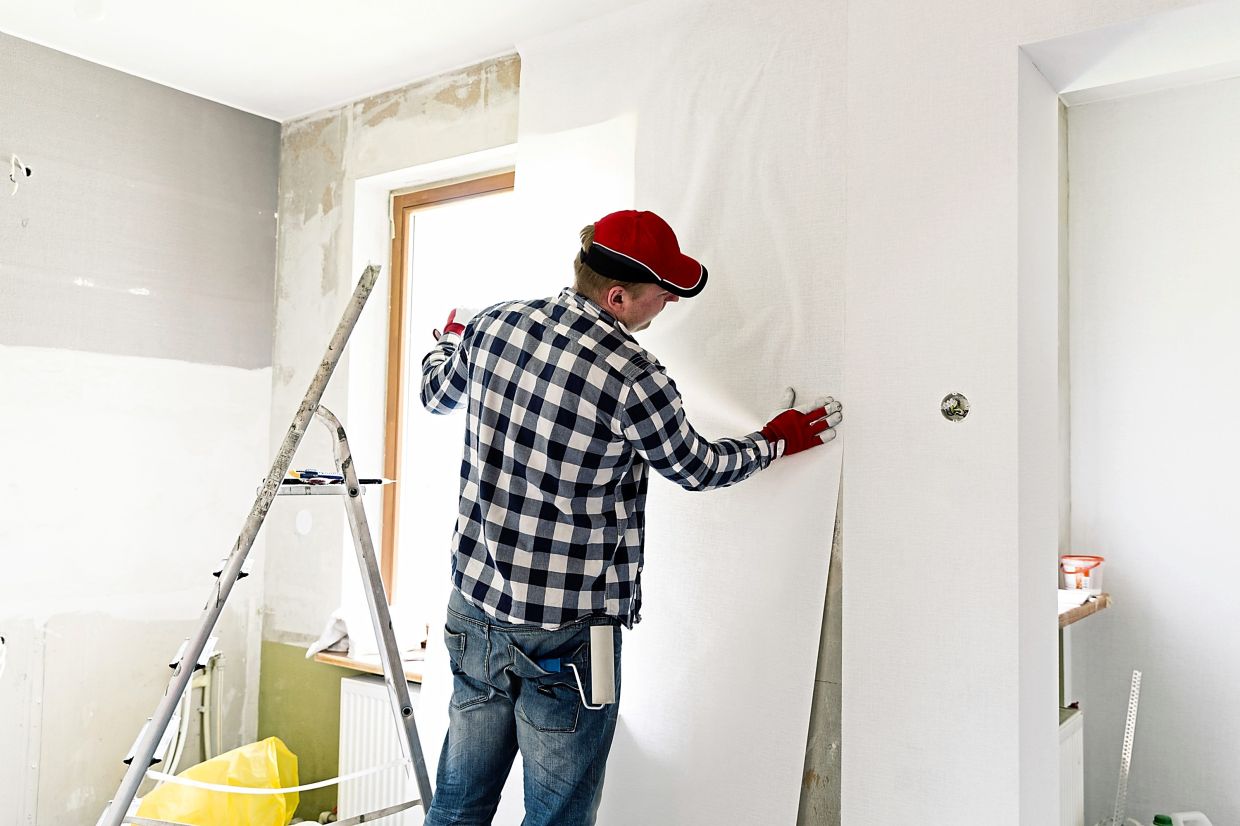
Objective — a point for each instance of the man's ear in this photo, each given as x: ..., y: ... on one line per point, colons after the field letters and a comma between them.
x: 615, y: 296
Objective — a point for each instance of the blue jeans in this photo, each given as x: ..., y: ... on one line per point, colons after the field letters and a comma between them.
x: 508, y: 695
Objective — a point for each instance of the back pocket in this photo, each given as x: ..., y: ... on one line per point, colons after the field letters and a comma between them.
x: 549, y: 700
x: 466, y: 690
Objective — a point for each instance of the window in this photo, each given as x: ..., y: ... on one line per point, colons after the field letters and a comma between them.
x: 448, y: 251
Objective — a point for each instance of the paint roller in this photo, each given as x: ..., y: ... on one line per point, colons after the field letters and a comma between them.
x: 602, y: 668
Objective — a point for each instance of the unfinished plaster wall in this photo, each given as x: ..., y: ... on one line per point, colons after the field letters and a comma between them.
x: 136, y: 282
x: 310, y: 574
x: 322, y: 157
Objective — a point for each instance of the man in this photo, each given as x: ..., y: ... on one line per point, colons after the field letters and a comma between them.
x: 565, y: 414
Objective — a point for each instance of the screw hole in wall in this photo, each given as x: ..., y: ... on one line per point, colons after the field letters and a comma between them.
x: 954, y: 407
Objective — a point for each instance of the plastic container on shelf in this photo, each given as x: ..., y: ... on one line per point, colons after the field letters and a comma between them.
x: 1081, y: 572
x: 1182, y: 819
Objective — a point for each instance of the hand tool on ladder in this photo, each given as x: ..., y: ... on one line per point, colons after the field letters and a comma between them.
x: 143, y: 754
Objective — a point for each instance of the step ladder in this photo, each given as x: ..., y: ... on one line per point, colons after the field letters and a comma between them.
x: 146, y: 750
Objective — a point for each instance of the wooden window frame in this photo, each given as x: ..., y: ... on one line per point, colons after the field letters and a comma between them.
x: 403, y: 205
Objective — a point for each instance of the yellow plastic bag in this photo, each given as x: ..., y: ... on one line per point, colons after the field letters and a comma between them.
x: 267, y: 764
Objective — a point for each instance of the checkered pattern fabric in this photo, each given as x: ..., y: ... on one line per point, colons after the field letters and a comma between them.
x: 565, y: 414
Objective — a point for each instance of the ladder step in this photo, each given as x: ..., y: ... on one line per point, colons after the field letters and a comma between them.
x: 208, y: 651
x: 108, y: 808
x: 132, y: 820
x: 369, y: 817
x: 103, y: 817
x: 161, y: 750
x: 376, y: 815
x: 242, y: 574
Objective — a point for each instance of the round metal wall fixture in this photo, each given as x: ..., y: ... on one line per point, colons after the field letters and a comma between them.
x: 954, y: 407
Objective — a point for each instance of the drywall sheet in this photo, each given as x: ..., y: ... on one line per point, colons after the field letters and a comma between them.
x: 737, y: 118
x: 148, y: 225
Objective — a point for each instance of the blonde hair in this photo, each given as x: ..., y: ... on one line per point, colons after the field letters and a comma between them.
x: 589, y: 283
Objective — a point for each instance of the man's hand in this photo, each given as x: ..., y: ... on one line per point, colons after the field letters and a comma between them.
x: 457, y: 319
x: 800, y: 428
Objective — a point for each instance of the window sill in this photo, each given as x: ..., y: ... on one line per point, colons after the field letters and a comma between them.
x: 368, y: 665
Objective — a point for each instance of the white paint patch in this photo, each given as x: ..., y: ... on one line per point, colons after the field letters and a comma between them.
x: 132, y: 469
x: 130, y: 477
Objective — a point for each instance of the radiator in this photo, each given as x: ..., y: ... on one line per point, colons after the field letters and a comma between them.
x: 1072, y: 770
x: 368, y: 737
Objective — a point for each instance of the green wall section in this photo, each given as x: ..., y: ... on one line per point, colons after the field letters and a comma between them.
x: 299, y: 702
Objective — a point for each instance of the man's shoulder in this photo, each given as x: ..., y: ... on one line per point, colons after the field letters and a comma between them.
x: 514, y: 306
x: 635, y: 362
x: 595, y: 342
x: 500, y: 321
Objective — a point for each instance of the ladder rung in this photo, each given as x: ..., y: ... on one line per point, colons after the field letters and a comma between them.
x: 242, y: 574
x: 132, y: 820
x: 128, y: 818
x: 132, y: 749
x: 104, y: 816
x: 375, y: 815
x: 161, y: 750
x: 208, y: 651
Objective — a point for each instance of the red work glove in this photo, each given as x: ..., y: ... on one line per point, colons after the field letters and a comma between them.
x: 795, y: 430
x: 457, y: 319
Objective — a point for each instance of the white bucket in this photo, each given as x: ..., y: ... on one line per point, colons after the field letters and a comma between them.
x: 1190, y: 819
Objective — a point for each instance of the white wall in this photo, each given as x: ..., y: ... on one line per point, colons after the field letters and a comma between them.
x: 1037, y: 367
x: 1154, y: 307
x: 942, y: 689
x: 136, y: 274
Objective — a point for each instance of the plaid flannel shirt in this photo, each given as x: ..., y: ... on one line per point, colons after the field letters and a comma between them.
x: 565, y: 413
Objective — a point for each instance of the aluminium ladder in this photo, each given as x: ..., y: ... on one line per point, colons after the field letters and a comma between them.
x: 152, y: 737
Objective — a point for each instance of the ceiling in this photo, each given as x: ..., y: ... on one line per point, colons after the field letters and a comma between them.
x: 286, y: 58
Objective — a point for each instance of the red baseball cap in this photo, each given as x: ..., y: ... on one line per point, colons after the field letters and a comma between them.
x: 640, y: 247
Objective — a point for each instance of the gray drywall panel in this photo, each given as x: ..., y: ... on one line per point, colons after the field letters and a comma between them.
x: 148, y: 225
